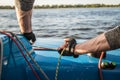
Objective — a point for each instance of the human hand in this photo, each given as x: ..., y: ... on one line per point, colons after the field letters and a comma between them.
x: 30, y: 36
x: 69, y: 47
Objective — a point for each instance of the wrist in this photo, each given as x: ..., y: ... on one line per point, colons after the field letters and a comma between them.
x: 27, y: 33
x: 30, y: 36
x: 79, y: 50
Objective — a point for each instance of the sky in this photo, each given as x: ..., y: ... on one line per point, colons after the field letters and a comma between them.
x: 50, y: 2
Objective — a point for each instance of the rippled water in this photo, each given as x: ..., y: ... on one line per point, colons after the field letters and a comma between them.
x: 82, y: 23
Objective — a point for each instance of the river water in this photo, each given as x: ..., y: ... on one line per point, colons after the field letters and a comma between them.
x: 81, y: 23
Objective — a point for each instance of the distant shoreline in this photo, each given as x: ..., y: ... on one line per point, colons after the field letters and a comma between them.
x: 66, y: 6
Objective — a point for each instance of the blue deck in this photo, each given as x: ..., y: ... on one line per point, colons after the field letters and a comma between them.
x: 82, y: 68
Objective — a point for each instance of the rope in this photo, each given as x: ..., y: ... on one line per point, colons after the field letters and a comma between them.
x: 28, y: 53
x: 22, y: 54
x: 99, y: 66
x: 36, y: 64
x: 59, y: 59
x: 1, y: 56
x: 58, y: 64
x: 43, y: 48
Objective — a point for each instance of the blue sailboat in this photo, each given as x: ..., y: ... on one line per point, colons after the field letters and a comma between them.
x: 17, y: 64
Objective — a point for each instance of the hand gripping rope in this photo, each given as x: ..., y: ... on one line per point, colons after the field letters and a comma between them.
x: 59, y: 59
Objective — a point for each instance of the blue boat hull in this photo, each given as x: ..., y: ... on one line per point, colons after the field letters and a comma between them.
x: 84, y: 67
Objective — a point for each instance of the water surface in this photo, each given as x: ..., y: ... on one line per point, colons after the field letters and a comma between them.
x: 81, y: 23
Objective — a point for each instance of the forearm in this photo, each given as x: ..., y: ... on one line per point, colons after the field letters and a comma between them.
x: 94, y: 45
x: 107, y: 41
x: 24, y: 20
x: 24, y: 13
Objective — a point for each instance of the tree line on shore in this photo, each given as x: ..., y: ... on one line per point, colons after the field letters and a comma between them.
x: 66, y: 6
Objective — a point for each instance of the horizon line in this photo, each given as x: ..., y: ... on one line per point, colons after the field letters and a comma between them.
x: 65, y: 4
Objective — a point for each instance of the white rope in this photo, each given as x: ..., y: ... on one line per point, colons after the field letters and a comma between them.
x: 1, y: 56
